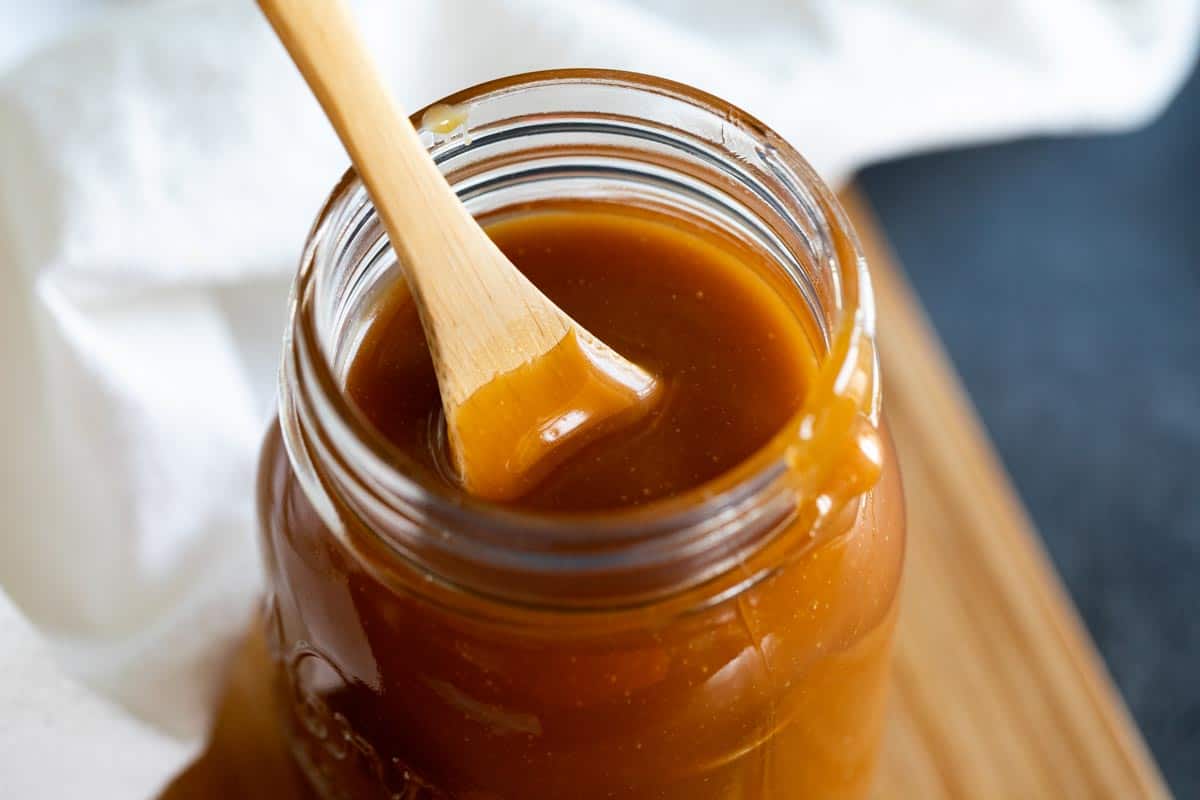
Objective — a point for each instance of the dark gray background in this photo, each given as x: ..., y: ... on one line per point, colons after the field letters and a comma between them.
x: 1064, y: 278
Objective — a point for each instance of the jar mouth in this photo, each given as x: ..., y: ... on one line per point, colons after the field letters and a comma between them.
x: 718, y: 520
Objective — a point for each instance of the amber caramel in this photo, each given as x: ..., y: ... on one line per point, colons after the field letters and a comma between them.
x: 763, y: 681
x: 732, y: 358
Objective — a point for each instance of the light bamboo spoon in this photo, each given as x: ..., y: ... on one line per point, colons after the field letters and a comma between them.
x: 523, y: 385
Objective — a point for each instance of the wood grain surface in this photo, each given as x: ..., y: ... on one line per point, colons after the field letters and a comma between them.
x: 998, y: 692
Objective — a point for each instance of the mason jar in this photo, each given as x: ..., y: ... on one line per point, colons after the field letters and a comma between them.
x: 731, y: 642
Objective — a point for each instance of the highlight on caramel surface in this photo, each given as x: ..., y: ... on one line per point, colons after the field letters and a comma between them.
x: 731, y: 360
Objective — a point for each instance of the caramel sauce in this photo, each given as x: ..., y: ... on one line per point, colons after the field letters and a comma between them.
x: 732, y: 360
x: 444, y: 119
x: 763, y: 683
x: 518, y: 427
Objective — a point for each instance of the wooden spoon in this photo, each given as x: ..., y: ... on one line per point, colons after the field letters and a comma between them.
x: 523, y: 385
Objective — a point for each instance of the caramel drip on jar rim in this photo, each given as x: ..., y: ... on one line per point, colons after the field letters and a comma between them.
x: 838, y: 454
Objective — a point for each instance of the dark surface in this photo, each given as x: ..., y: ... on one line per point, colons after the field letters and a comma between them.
x: 1064, y: 279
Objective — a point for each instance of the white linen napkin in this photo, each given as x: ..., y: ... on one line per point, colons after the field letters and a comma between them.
x: 159, y: 169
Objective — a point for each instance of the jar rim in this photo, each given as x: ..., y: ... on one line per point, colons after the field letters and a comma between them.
x: 614, y: 538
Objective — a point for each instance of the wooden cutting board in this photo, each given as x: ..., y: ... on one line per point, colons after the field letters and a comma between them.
x: 998, y: 692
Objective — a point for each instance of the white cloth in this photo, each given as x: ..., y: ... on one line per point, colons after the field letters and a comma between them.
x: 159, y: 169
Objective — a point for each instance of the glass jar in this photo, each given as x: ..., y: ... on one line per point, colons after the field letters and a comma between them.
x: 731, y: 642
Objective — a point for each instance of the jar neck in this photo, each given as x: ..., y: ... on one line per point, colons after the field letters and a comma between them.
x: 614, y: 137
